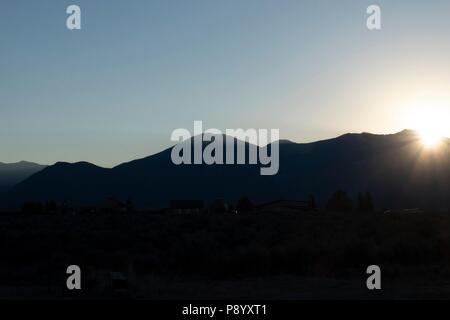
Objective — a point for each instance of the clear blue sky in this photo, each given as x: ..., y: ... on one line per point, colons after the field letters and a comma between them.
x: 138, y: 69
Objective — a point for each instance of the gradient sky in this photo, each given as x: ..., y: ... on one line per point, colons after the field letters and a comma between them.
x: 115, y: 90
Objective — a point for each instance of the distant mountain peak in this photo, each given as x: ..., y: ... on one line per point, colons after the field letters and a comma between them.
x: 13, y: 173
x: 286, y: 141
x: 408, y: 132
x: 78, y: 165
x: 22, y: 163
x: 404, y: 132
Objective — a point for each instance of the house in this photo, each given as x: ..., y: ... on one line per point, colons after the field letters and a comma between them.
x: 118, y: 283
x: 186, y: 206
x: 285, y: 206
x: 111, y: 205
x: 397, y: 211
x: 219, y: 206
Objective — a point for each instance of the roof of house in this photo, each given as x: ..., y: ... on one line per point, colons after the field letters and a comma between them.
x: 288, y: 204
x: 110, y: 203
x: 187, y: 204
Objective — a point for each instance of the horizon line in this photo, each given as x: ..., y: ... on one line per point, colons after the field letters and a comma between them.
x: 169, y: 147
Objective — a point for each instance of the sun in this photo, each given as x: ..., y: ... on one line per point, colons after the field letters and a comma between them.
x: 431, y: 122
x: 430, y: 137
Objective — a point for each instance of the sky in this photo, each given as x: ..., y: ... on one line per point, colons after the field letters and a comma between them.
x: 138, y: 69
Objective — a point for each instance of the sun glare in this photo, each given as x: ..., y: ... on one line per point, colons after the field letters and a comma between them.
x: 430, y: 137
x: 432, y: 123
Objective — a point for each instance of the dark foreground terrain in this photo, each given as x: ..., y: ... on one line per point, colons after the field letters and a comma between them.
x: 315, y: 255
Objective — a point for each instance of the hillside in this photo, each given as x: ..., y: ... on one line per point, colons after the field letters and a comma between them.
x: 13, y: 173
x: 396, y: 169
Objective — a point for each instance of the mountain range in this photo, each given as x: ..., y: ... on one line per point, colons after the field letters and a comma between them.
x: 397, y: 169
x: 13, y: 173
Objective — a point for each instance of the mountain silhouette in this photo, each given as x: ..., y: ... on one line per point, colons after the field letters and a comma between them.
x: 12, y: 173
x: 397, y: 169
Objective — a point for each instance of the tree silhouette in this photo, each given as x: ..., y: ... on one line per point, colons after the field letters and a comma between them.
x: 33, y: 207
x: 340, y: 202
x: 312, y: 202
x: 129, y: 206
x: 369, y: 202
x: 218, y: 206
x: 244, y: 204
x: 361, y: 203
x: 365, y: 203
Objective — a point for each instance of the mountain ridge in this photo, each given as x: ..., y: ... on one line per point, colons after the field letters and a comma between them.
x: 13, y: 173
x: 381, y: 164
